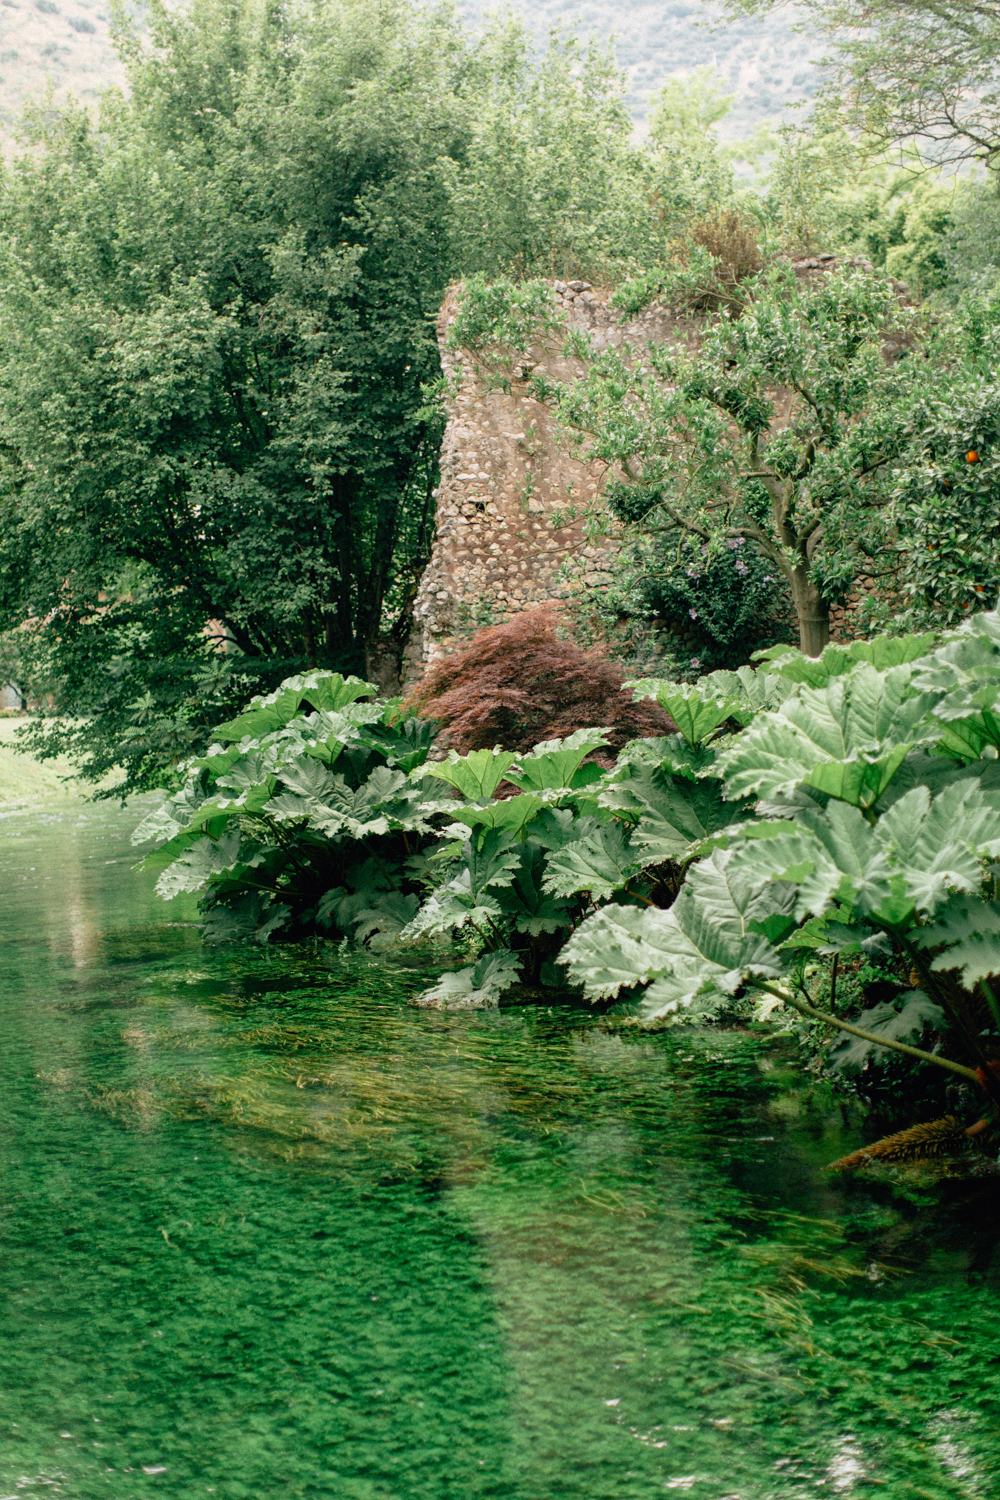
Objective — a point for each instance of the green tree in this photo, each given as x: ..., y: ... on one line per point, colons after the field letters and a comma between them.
x: 218, y: 338
x: 549, y: 180
x: 918, y: 72
x: 687, y: 106
x: 945, y: 510
x: 552, y: 181
x: 779, y: 428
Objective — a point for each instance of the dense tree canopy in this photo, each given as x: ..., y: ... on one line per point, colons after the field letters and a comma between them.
x: 218, y: 365
x: 217, y: 339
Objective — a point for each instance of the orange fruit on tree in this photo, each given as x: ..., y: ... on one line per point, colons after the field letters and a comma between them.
x: 972, y: 457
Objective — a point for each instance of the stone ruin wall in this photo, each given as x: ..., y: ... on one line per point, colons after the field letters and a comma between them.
x: 506, y: 476
x: 505, y: 479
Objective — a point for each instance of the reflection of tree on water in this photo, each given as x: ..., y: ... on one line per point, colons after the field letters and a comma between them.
x: 585, y: 1165
x: 304, y: 1230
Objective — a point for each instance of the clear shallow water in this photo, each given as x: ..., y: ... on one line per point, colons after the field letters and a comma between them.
x: 267, y: 1230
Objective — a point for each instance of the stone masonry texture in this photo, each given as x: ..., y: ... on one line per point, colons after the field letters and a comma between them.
x: 507, y: 477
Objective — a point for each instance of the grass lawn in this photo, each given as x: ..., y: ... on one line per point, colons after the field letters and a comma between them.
x: 24, y: 779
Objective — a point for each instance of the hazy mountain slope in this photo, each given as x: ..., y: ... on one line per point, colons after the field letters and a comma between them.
x: 65, y: 44
x: 52, y: 42
x: 766, y: 63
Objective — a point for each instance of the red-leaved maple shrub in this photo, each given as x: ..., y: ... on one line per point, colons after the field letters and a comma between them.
x: 516, y: 684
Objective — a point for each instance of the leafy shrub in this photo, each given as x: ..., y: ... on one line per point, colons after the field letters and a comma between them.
x: 817, y: 812
x: 280, y: 841
x: 972, y: 244
x: 731, y: 240
x: 317, y: 812
x: 729, y: 605
x: 946, y: 504
x: 503, y: 312
x: 521, y: 682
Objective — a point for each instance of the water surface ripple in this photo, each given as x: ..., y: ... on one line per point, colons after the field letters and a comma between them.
x: 268, y: 1230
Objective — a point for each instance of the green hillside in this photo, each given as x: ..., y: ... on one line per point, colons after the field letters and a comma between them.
x: 65, y: 45
x: 765, y: 62
x: 50, y: 44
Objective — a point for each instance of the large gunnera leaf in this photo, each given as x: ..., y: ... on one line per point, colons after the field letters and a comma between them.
x: 701, y: 949
x: 935, y: 772
x: 936, y: 841
x: 904, y: 1022
x: 964, y: 676
x: 254, y: 914
x: 526, y: 902
x: 555, y: 765
x: 846, y: 740
x: 176, y: 815
x: 386, y: 800
x: 451, y: 908
x: 600, y: 864
x: 674, y: 814
x: 756, y: 692
x: 308, y: 777
x: 696, y: 711
x: 205, y: 859
x: 510, y: 815
x: 966, y: 931
x: 322, y: 690
x: 476, y: 775
x: 555, y: 827
x: 920, y: 850
x: 669, y: 753
x: 816, y: 671
x: 376, y: 917
x: 404, y: 743
x: 479, y: 985
x: 489, y: 862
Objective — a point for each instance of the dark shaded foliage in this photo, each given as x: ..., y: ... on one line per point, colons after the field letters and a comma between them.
x: 730, y: 605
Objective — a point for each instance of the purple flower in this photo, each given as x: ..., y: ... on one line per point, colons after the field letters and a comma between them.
x: 693, y: 613
x: 741, y: 566
x: 768, y: 578
x: 695, y: 662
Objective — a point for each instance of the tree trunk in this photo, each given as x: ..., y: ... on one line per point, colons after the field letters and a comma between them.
x: 812, y: 612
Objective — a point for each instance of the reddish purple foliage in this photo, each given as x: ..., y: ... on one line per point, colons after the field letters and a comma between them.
x: 519, y: 683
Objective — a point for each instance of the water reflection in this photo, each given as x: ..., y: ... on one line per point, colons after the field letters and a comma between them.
x: 270, y: 1230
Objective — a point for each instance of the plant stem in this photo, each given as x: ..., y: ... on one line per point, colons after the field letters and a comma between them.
x: 486, y: 940
x: 636, y: 896
x: 944, y: 999
x: 870, y: 1036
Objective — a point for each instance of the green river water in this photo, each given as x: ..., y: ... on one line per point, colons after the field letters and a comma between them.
x: 269, y: 1230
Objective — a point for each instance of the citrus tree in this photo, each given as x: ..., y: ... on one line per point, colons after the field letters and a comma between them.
x: 779, y: 423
